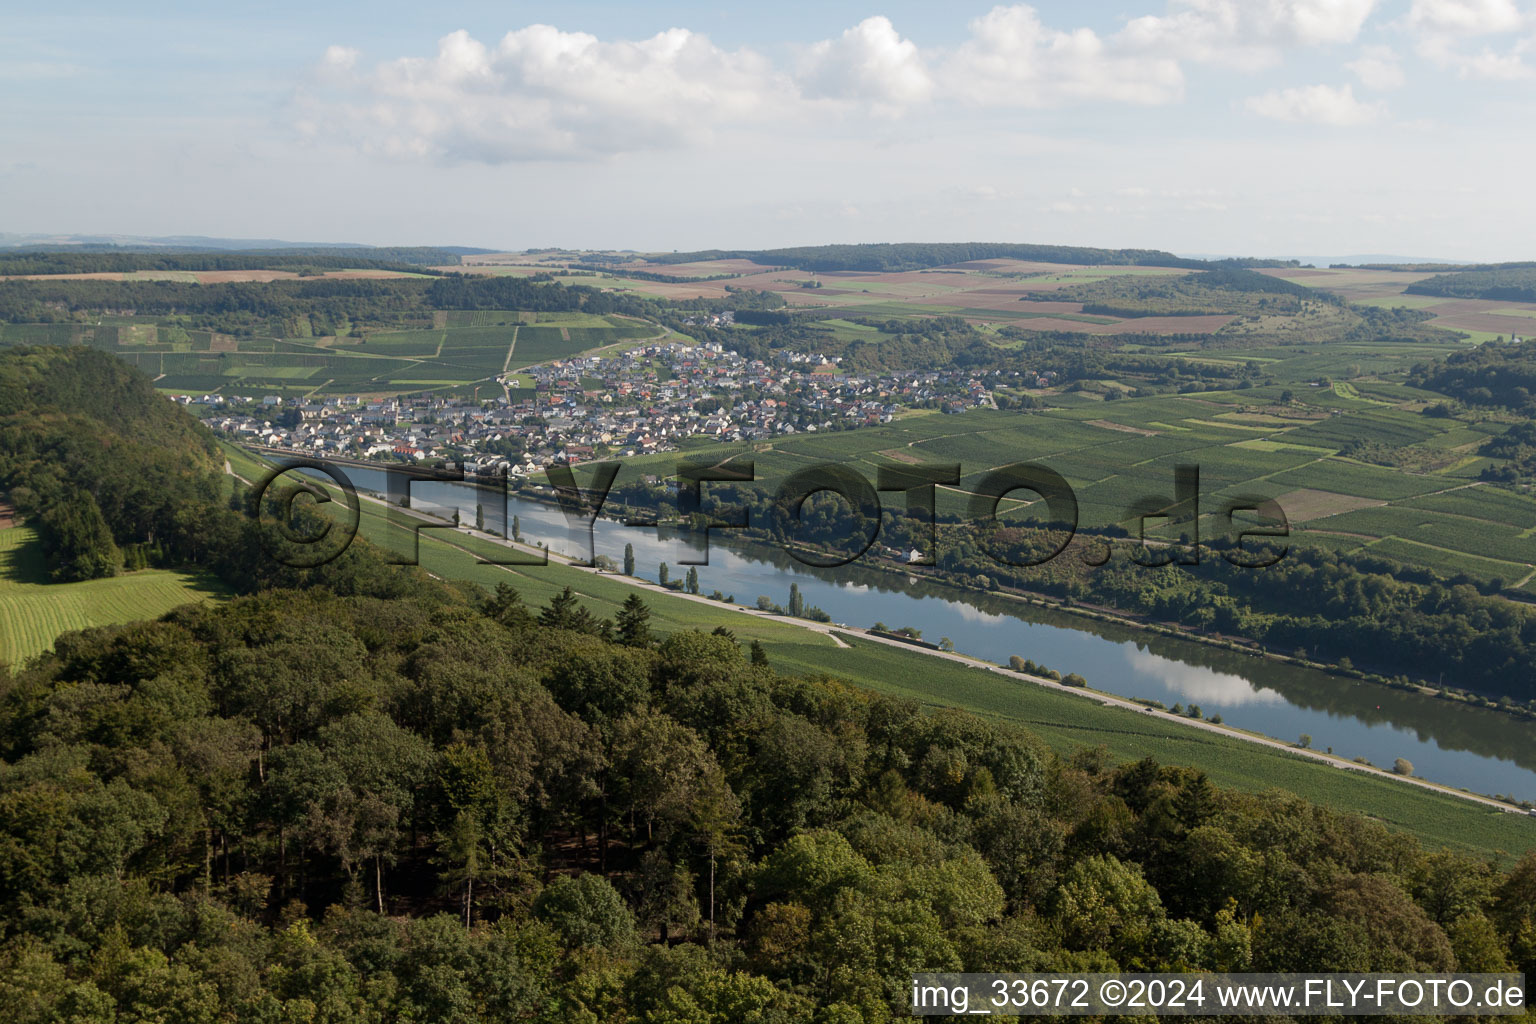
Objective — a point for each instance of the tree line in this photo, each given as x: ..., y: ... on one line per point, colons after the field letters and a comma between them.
x: 1493, y: 374
x: 1218, y: 290
x: 96, y: 261
x: 889, y: 257
x: 1509, y: 283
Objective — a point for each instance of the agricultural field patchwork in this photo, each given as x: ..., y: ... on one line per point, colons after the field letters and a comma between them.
x: 985, y: 292
x: 472, y: 347
x: 1247, y: 444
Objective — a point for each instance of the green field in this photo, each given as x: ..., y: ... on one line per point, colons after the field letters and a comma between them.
x: 33, y: 612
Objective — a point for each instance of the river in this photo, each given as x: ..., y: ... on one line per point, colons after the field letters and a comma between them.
x: 1472, y: 748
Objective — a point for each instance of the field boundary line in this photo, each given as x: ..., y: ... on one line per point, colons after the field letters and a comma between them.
x: 506, y: 363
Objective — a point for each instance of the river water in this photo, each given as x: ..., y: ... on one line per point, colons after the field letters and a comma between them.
x: 1480, y: 750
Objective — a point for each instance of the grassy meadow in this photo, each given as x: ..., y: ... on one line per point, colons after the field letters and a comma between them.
x: 33, y: 611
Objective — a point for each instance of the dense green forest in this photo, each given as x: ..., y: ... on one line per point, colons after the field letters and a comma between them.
x: 75, y: 261
x: 1492, y: 374
x: 93, y: 457
x: 1514, y: 282
x: 306, y: 807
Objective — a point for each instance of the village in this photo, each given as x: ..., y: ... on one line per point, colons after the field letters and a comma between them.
x: 647, y: 399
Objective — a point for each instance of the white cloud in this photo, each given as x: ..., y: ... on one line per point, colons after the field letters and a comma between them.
x: 1315, y: 104
x: 1443, y: 52
x: 1012, y: 59
x: 1502, y: 67
x: 545, y: 94
x: 338, y: 59
x: 1463, y: 17
x: 1244, y: 34
x: 869, y: 62
x: 1442, y: 26
x: 541, y: 93
x: 1378, y: 68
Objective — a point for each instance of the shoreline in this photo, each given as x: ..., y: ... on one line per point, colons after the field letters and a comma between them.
x: 1129, y: 620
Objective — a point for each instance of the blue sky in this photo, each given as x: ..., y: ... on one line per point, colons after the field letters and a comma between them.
x: 1271, y: 127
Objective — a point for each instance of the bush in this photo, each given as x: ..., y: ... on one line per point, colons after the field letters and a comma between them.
x: 586, y: 911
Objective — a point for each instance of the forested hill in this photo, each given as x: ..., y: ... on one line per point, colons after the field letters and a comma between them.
x: 81, y: 383
x: 76, y: 260
x: 113, y: 476
x: 1220, y: 289
x: 1515, y: 282
x: 94, y: 458
x: 887, y: 257
x: 1489, y: 375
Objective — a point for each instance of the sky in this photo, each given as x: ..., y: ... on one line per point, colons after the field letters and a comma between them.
x: 1303, y: 128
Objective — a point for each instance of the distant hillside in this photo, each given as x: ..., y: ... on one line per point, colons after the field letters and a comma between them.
x: 186, y: 243
x: 890, y: 257
x: 97, y: 260
x: 1508, y: 282
x: 1222, y: 289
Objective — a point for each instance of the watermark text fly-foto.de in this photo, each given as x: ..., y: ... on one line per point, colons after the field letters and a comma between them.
x: 1177, y: 510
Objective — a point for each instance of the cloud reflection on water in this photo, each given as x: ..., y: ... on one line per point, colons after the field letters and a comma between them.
x: 1198, y: 684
